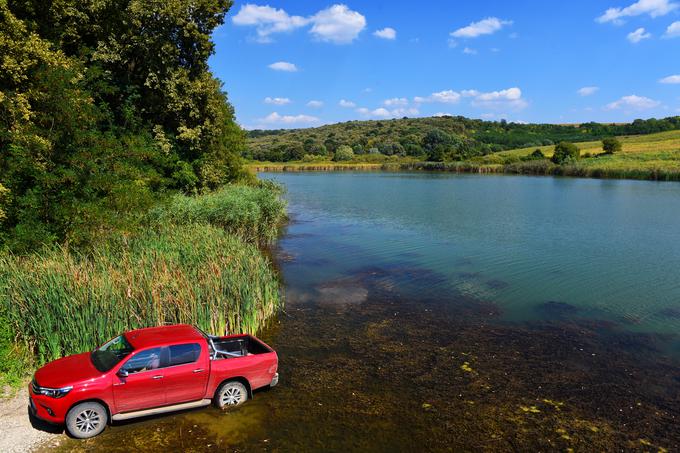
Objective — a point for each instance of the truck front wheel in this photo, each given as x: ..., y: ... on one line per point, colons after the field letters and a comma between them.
x: 86, y: 420
x: 231, y: 394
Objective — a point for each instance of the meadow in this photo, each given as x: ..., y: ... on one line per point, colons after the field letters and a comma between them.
x: 196, y: 261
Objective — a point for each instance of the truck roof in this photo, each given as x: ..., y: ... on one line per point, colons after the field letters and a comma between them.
x: 163, y: 335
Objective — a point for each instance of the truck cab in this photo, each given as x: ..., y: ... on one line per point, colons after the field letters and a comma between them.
x: 150, y: 371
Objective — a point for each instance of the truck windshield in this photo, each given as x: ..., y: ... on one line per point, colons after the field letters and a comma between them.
x: 111, y: 353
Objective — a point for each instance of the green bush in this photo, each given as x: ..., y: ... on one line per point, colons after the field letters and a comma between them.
x: 565, y: 152
x: 60, y: 302
x: 611, y: 145
x: 343, y: 153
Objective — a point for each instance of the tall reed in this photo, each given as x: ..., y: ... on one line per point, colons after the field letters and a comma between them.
x: 60, y: 302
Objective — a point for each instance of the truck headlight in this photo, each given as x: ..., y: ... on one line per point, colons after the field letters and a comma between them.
x: 51, y: 392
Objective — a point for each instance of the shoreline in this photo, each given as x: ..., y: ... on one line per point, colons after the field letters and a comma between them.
x: 529, y: 168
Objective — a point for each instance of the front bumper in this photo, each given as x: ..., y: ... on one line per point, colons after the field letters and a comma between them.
x: 275, y: 380
x: 45, y: 409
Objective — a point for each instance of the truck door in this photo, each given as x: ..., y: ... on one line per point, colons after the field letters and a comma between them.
x: 186, y: 375
x: 142, y: 388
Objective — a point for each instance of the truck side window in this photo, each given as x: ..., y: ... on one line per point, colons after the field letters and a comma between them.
x: 149, y: 359
x: 181, y: 354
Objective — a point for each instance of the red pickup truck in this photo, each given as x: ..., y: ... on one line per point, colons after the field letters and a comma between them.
x: 150, y: 371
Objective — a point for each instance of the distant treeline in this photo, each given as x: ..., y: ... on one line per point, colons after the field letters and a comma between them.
x: 435, y: 139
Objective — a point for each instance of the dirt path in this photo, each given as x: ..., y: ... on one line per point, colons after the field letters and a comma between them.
x: 19, y: 433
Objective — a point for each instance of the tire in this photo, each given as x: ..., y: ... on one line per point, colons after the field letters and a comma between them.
x: 230, y: 394
x: 86, y: 420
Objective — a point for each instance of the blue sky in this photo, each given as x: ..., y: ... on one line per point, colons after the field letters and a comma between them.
x: 307, y: 63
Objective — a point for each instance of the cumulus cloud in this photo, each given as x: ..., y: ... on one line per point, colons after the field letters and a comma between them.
x: 673, y: 30
x: 347, y: 104
x: 395, y: 101
x: 654, y: 8
x: 267, y: 20
x: 672, y: 79
x: 486, y: 26
x: 469, y: 51
x: 386, y: 33
x: 275, y: 118
x: 276, y: 101
x: 315, y: 104
x: 337, y: 24
x: 633, y: 103
x: 439, y: 114
x: 382, y: 112
x: 587, y: 91
x: 283, y: 66
x: 638, y: 35
x: 510, y: 98
x: 444, y: 97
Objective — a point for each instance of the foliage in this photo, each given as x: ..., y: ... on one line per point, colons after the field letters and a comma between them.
x: 611, y: 145
x: 564, y: 152
x: 343, y: 153
x: 252, y: 213
x: 436, y: 138
x: 62, y: 302
x: 537, y: 154
x: 104, y: 107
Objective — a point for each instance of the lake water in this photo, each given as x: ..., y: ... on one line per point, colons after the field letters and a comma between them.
x: 458, y: 312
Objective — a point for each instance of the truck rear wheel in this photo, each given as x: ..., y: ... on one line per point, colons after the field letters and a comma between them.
x: 231, y: 394
x: 86, y: 420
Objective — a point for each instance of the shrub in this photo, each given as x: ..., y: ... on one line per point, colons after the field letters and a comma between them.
x: 252, y: 213
x: 564, y: 152
x: 611, y: 145
x: 343, y: 153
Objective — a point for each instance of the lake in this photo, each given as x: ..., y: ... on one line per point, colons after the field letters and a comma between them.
x: 460, y: 312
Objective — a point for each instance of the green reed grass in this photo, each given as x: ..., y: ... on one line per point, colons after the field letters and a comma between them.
x: 60, y: 302
x: 253, y: 213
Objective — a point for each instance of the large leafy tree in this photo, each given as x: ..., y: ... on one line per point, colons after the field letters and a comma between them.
x: 104, y: 106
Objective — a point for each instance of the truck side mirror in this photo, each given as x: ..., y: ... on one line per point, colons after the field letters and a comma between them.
x: 122, y: 373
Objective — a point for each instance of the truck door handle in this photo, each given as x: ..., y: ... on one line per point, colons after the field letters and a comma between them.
x: 199, y: 370
x: 157, y: 377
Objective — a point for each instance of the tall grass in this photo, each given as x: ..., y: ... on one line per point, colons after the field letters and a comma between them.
x: 196, y: 261
x: 253, y: 213
x: 61, y: 302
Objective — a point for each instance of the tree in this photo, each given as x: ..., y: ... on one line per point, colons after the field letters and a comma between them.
x: 611, y: 145
x: 343, y: 153
x: 537, y: 154
x: 565, y: 152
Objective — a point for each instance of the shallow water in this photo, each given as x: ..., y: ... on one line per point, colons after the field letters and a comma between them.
x: 448, y: 313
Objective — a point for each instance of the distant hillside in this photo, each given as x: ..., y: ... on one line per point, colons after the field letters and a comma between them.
x: 437, y: 138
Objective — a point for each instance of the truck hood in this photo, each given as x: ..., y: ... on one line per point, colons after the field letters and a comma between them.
x: 67, y: 371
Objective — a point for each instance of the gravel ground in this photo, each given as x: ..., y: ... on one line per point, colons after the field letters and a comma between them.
x: 19, y: 432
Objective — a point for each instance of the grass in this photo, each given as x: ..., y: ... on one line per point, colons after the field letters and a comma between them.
x: 197, y: 262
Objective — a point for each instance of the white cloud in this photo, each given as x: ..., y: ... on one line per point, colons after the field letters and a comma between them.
x: 438, y: 114
x: 315, y: 104
x: 382, y: 112
x: 395, y: 101
x: 510, y: 98
x: 444, y: 97
x: 638, y: 35
x: 469, y: 51
x: 486, y: 26
x: 633, y: 102
x: 672, y: 79
x: 267, y: 20
x: 653, y: 8
x: 386, y: 33
x: 276, y: 101
x: 587, y: 91
x: 347, y: 104
x: 275, y: 118
x: 283, y: 66
x: 673, y: 30
x: 337, y: 24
